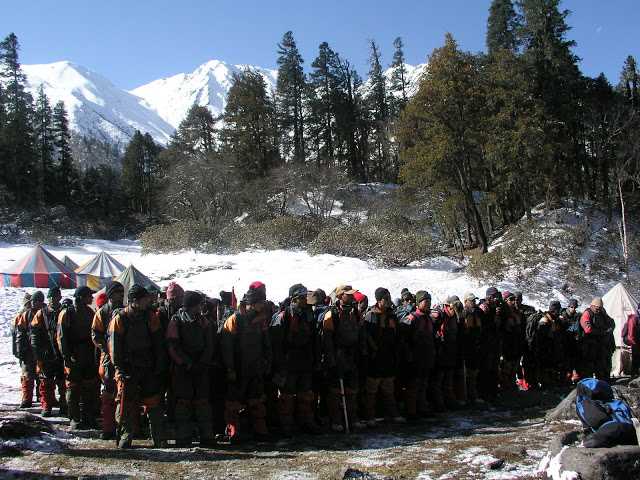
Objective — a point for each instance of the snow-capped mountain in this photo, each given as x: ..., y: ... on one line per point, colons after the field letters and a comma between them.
x: 96, y: 107
x: 208, y: 85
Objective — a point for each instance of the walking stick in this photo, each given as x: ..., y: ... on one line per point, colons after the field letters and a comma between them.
x: 344, y: 406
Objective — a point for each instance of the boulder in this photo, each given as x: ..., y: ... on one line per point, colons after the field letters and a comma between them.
x: 567, y: 460
x: 22, y: 426
x: 566, y: 409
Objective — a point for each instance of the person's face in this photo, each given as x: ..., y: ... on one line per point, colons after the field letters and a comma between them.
x: 117, y: 298
x: 571, y: 310
x: 87, y: 299
x: 299, y: 302
x: 518, y: 302
x: 347, y: 299
x: 256, y: 307
x: 37, y: 304
x: 143, y: 304
x: 382, y: 303
x: 596, y: 308
x: 470, y: 303
x: 491, y: 300
x: 55, y: 299
x: 511, y: 301
x: 425, y: 305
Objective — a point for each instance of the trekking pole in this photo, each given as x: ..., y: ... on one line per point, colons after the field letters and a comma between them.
x: 344, y: 406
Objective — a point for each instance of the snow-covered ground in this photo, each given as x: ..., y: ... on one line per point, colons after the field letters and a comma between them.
x: 211, y: 273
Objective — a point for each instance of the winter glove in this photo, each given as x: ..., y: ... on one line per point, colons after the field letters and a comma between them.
x: 231, y: 376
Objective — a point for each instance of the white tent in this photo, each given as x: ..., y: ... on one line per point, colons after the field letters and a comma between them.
x: 619, y: 304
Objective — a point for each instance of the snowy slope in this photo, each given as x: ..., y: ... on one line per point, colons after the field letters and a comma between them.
x: 208, y: 85
x: 96, y: 107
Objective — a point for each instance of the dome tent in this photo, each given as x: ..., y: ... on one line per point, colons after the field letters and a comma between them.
x: 619, y: 304
x: 99, y: 271
x: 130, y: 276
x: 38, y: 269
x: 70, y: 264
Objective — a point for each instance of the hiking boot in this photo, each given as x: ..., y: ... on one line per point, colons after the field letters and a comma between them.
x: 124, y: 443
x: 108, y: 435
x: 359, y: 425
x: 46, y: 413
x: 63, y: 410
x: 336, y: 427
x: 26, y: 404
x: 77, y: 425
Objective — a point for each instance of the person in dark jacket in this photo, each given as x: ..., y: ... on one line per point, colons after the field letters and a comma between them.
x: 491, y: 344
x: 318, y: 301
x: 190, y: 342
x: 295, y: 344
x: 79, y: 356
x: 381, y: 342
x: 22, y: 348
x: 48, y: 358
x: 570, y: 320
x: 137, y: 351
x: 445, y: 325
x: 172, y: 302
x: 548, y: 345
x: 597, y: 341
x: 247, y: 355
x: 512, y: 332
x: 341, y: 344
x: 417, y: 356
x: 99, y: 328
x: 472, y: 345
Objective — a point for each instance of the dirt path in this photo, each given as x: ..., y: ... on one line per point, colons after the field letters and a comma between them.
x: 460, y: 445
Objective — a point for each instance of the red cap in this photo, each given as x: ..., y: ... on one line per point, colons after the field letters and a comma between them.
x: 101, y: 299
x: 257, y: 285
x: 359, y: 296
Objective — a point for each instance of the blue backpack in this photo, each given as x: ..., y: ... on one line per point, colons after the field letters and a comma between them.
x: 597, y: 408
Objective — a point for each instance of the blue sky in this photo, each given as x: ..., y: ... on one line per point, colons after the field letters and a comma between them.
x: 133, y: 42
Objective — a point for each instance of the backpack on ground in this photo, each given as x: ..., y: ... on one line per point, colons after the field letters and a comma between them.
x: 607, y: 420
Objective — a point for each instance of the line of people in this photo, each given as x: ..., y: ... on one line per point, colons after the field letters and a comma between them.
x: 313, y: 363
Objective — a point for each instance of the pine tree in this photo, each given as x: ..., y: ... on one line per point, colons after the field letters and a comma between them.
x: 399, y: 83
x: 442, y: 131
x: 249, y: 135
x: 554, y: 80
x: 18, y: 133
x: 197, y: 132
x: 502, y: 26
x: 377, y: 101
x: 290, y: 93
x: 323, y: 95
x: 630, y: 82
x: 44, y: 139
x: 66, y: 177
x: 139, y: 172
